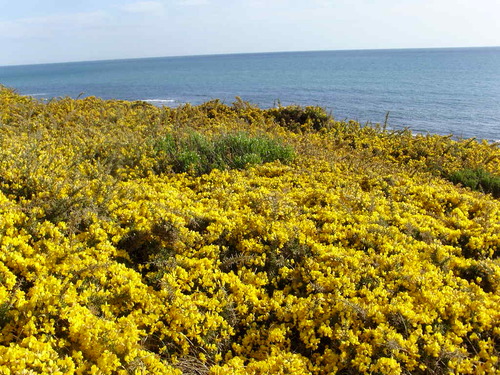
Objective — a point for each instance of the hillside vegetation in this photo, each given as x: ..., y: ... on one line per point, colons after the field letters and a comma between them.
x: 226, y: 239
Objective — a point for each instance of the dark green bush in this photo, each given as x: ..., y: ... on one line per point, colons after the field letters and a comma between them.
x: 216, y: 109
x: 297, y: 118
x: 198, y: 154
x: 477, y: 179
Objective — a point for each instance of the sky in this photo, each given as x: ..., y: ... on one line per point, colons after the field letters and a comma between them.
x: 36, y: 31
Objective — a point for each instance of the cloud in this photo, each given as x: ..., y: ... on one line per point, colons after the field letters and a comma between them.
x: 193, y: 2
x: 50, y: 26
x: 144, y: 7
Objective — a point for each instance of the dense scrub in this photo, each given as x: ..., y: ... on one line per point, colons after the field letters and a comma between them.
x: 477, y: 179
x: 353, y: 251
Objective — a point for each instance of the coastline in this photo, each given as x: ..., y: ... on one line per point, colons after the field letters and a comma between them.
x: 438, y: 91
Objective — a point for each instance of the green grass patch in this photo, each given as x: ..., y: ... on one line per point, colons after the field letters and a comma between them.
x: 198, y: 154
x: 477, y: 179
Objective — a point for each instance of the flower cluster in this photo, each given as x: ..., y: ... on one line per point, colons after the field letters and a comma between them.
x: 357, y: 257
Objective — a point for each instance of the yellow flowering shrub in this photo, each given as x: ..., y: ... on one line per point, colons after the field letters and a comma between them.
x: 357, y: 257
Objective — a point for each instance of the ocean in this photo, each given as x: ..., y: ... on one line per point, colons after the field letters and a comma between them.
x: 444, y: 91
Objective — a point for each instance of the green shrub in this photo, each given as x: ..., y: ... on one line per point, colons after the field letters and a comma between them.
x: 297, y: 118
x: 198, y: 154
x: 216, y: 109
x: 477, y: 179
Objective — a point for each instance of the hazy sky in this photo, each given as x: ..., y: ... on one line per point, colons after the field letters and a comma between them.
x: 39, y: 31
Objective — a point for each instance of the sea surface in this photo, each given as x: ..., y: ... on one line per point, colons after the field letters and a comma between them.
x: 445, y: 91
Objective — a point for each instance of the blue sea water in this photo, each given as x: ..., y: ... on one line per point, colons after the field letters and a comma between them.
x: 444, y: 91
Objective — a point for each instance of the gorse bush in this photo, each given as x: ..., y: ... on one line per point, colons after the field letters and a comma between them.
x: 198, y: 154
x: 340, y: 251
x: 477, y: 179
x: 297, y: 118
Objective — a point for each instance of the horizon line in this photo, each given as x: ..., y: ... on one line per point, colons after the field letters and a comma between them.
x: 246, y: 53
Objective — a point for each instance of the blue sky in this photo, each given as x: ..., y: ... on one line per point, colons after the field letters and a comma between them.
x: 64, y: 30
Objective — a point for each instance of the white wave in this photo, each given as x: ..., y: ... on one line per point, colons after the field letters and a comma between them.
x: 37, y: 94
x: 159, y: 101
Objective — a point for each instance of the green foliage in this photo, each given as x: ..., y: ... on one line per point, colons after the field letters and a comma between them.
x: 197, y: 153
x: 477, y: 179
x: 4, y: 314
x: 215, y: 109
x: 297, y: 118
